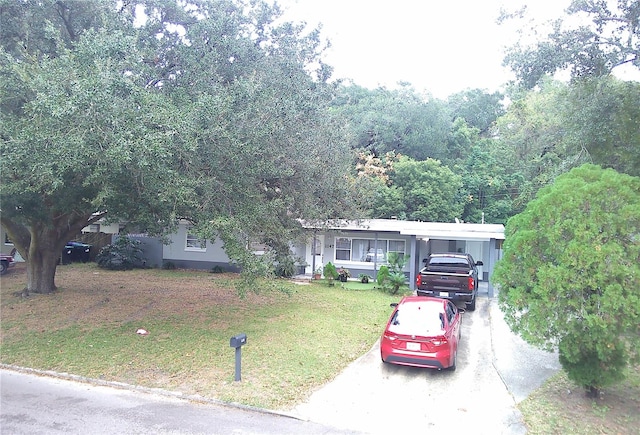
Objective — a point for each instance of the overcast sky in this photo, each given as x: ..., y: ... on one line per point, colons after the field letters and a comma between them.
x: 441, y: 47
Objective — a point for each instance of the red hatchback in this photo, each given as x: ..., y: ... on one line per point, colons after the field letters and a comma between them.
x: 422, y: 332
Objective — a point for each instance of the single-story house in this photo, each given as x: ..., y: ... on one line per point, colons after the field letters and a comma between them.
x: 362, y: 246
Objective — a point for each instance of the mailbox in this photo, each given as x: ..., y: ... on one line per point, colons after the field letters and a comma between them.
x: 238, y: 340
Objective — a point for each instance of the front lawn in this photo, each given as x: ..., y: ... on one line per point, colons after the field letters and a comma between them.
x: 295, y: 343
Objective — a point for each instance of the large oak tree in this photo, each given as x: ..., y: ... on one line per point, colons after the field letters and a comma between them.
x: 592, y: 39
x: 145, y: 112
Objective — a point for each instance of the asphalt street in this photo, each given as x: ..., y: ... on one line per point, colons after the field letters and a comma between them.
x: 496, y: 370
x: 33, y: 404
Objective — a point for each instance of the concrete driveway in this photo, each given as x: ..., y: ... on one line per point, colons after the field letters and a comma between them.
x: 496, y: 370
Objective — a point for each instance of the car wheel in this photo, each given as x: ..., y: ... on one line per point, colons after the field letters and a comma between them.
x: 3, y: 267
x: 471, y: 306
x: 452, y: 367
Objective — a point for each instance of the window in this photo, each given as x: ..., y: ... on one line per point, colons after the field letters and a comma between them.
x: 397, y: 246
x: 194, y: 243
x: 368, y: 250
x: 343, y: 249
x: 257, y: 247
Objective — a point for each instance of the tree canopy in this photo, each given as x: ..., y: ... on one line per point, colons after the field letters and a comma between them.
x: 420, y: 191
x: 594, y: 38
x: 213, y: 112
x: 570, y: 273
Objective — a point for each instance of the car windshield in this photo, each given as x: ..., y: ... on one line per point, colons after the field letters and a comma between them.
x: 418, y: 318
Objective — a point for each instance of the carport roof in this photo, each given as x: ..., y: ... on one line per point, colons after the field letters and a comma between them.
x: 422, y: 230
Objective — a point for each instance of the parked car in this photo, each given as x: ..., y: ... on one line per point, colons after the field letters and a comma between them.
x: 76, y: 251
x: 6, y: 261
x: 422, y: 332
x: 452, y: 276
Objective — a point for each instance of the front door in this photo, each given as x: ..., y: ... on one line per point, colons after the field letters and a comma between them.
x: 317, y: 244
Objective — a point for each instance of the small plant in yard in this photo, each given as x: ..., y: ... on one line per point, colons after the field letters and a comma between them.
x: 391, y: 278
x: 383, y: 273
x: 317, y: 274
x: 330, y: 272
x: 285, y: 267
x: 394, y: 282
x: 364, y: 278
x: 344, y: 274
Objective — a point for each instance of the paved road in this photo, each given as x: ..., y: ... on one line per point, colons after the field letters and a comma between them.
x: 33, y: 405
x: 496, y: 370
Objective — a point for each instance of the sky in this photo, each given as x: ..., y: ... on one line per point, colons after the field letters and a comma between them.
x: 438, y: 46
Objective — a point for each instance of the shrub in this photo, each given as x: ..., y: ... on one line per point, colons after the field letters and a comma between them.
x: 285, y: 267
x: 330, y: 272
x: 383, y: 274
x: 218, y: 269
x: 123, y: 254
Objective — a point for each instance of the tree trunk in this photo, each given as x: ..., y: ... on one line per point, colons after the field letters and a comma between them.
x: 41, y: 269
x: 43, y: 258
x: 593, y: 392
x: 41, y: 244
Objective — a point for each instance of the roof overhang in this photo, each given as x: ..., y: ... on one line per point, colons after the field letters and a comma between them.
x: 421, y: 230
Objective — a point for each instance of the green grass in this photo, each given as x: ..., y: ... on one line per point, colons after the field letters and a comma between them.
x: 560, y: 406
x: 295, y: 344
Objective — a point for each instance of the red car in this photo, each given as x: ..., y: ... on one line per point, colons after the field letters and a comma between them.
x: 6, y: 261
x: 422, y: 332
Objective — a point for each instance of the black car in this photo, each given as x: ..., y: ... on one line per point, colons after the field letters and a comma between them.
x: 76, y: 251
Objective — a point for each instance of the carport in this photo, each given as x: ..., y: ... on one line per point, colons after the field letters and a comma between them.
x: 482, y: 241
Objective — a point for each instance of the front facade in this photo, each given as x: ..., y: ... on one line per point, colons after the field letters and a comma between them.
x: 363, y: 246
x: 360, y: 246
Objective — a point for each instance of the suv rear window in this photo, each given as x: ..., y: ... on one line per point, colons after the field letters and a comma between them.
x: 449, y: 262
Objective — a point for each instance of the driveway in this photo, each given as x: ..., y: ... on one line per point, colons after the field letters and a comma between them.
x: 496, y: 370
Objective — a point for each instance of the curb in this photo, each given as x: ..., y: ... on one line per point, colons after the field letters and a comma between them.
x: 146, y: 390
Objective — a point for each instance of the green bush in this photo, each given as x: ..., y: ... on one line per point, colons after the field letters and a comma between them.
x: 383, y: 274
x: 285, y: 267
x: 330, y: 272
x: 123, y: 254
x: 364, y: 278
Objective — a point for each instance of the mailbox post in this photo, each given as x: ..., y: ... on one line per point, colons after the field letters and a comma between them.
x: 237, y: 341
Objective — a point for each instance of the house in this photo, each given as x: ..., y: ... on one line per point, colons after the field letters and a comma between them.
x: 362, y: 246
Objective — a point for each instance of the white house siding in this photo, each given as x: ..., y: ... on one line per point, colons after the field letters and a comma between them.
x: 357, y: 263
